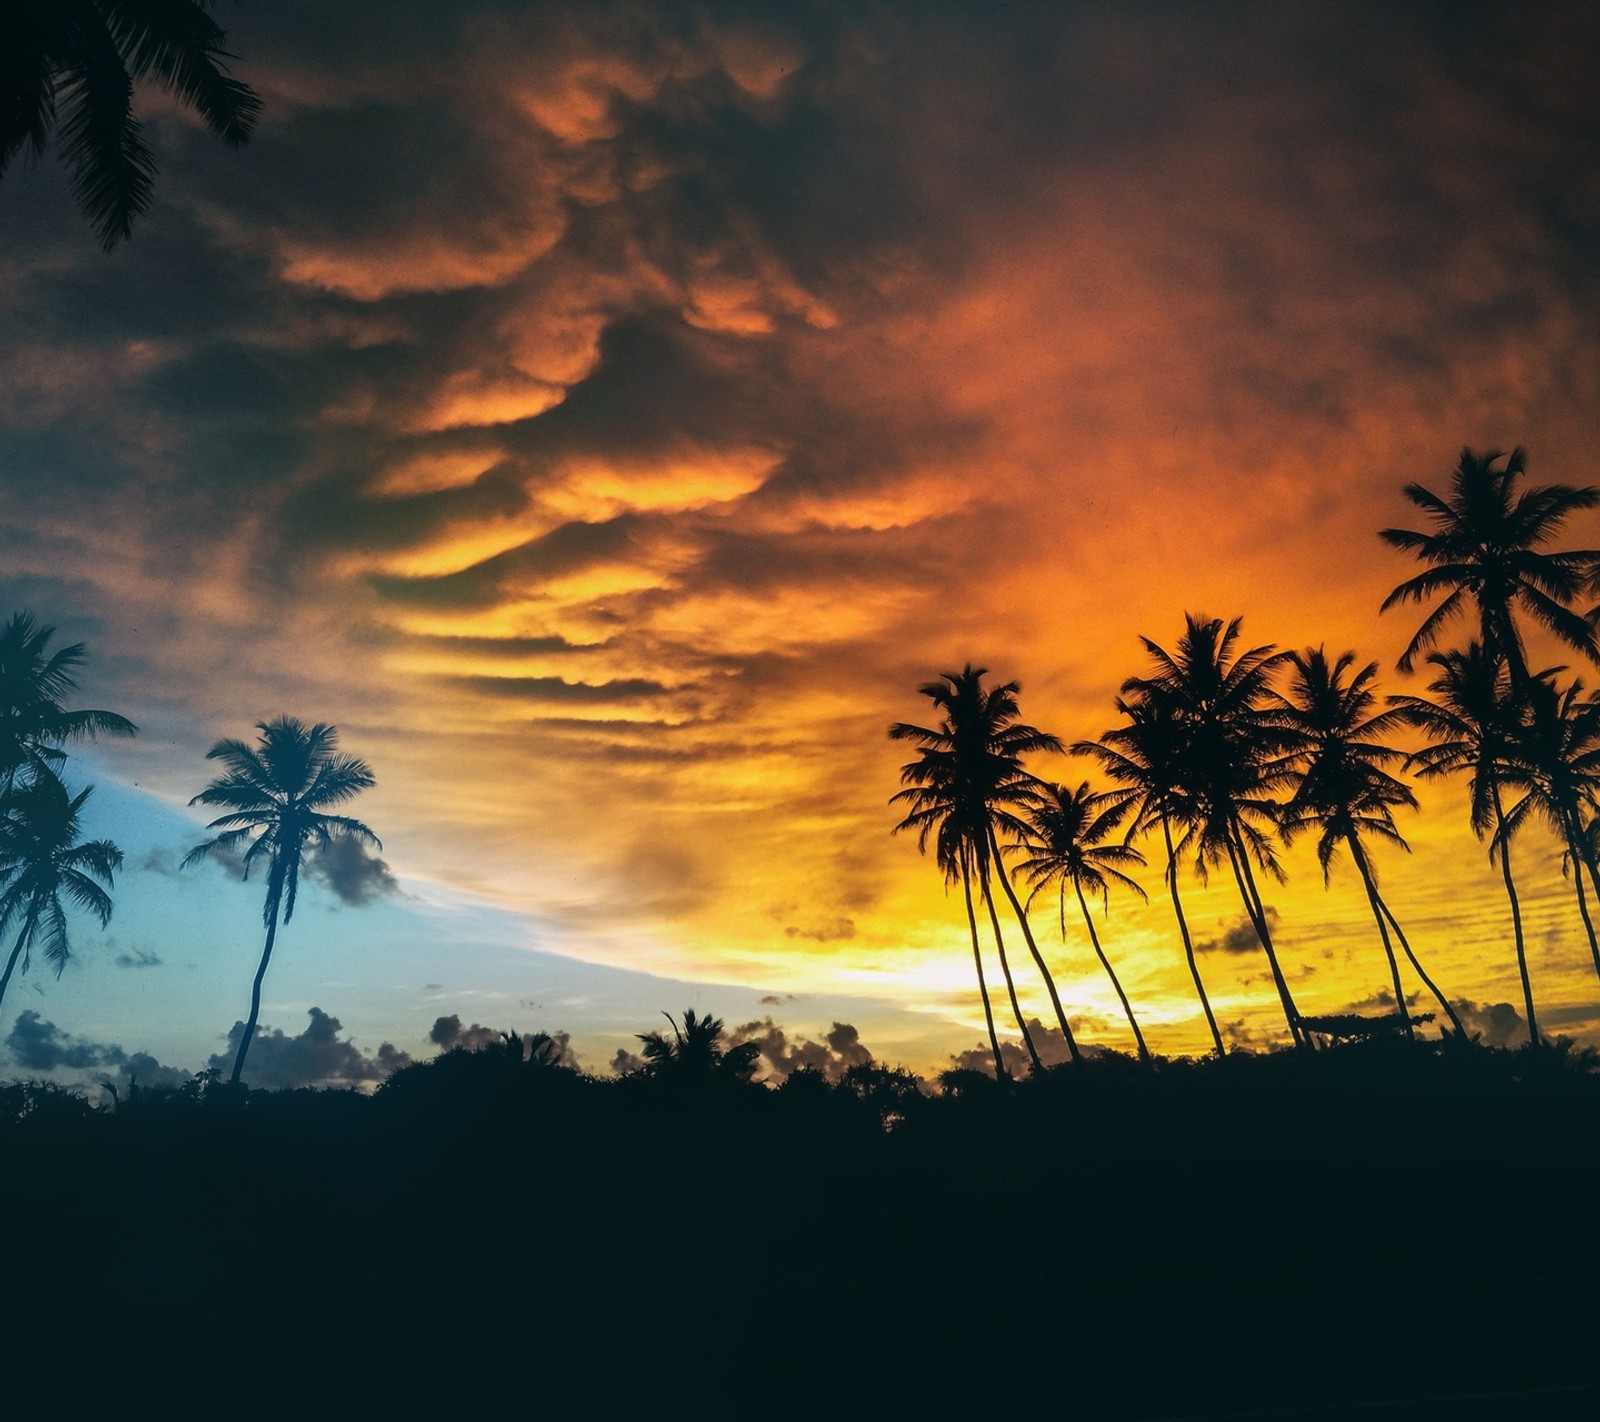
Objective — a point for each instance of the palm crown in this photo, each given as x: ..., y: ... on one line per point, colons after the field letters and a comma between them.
x: 279, y: 792
x: 1483, y: 549
x: 1343, y: 785
x: 33, y: 680
x: 1064, y: 842
x: 42, y: 859
x: 85, y: 55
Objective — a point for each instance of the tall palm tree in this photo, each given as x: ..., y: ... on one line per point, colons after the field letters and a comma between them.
x: 935, y: 810
x: 42, y: 859
x: 969, y: 773
x: 76, y: 61
x: 34, y: 725
x: 1143, y: 757
x: 278, y: 792
x: 1553, y: 759
x: 1064, y: 842
x: 1343, y: 786
x: 1231, y: 758
x: 1471, y: 721
x: 1483, y: 550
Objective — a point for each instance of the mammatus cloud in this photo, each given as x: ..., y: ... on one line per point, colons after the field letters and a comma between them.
x: 626, y: 408
x: 317, y: 1057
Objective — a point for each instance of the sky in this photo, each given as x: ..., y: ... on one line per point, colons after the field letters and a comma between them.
x: 608, y: 415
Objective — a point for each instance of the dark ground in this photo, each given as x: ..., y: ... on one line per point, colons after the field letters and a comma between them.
x: 1371, y: 1232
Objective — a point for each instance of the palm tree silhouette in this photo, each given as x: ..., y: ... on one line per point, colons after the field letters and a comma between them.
x: 695, y: 1052
x: 1483, y: 550
x: 34, y: 725
x: 77, y: 60
x: 1144, y: 757
x: 969, y: 775
x: 1553, y: 758
x: 1344, y: 789
x: 1064, y: 842
x: 1230, y: 757
x: 42, y: 858
x: 1471, y: 722
x: 278, y: 792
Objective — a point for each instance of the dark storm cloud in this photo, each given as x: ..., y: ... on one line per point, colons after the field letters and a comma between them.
x: 448, y: 1035
x: 1241, y: 938
x: 775, y: 352
x: 37, y: 1045
x: 139, y: 958
x: 355, y: 873
x: 782, y: 1054
x: 317, y: 1057
x: 1497, y: 1024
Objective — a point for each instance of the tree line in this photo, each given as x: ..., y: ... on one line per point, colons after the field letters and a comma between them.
x: 1224, y: 754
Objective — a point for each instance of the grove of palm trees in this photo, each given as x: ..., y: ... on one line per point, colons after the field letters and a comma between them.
x: 1388, y: 1214
x: 1229, y: 753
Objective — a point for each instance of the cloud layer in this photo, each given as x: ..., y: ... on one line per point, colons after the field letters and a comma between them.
x: 609, y: 415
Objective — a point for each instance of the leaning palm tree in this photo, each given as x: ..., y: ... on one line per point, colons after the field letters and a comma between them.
x: 278, y: 792
x: 1143, y: 757
x: 42, y: 859
x: 1344, y: 788
x: 77, y: 60
x: 1553, y: 759
x: 1483, y: 552
x: 974, y: 761
x: 1471, y: 721
x: 1231, y: 758
x: 34, y: 725
x: 1064, y: 842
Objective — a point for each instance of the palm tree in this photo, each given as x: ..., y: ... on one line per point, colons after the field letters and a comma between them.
x: 84, y: 56
x: 969, y: 775
x: 33, y: 722
x: 1064, y: 842
x: 1343, y: 787
x: 1483, y: 550
x: 1230, y: 756
x: 278, y: 791
x: 42, y: 858
x: 1143, y: 758
x: 1471, y: 722
x: 696, y: 1052
x: 1553, y: 758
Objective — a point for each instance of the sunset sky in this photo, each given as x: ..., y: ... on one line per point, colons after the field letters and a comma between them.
x: 608, y: 415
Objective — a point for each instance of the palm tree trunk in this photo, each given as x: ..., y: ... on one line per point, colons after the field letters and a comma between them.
x: 983, y: 987
x: 1422, y: 973
x: 1188, y: 942
x: 1580, y: 860
x: 11, y: 962
x: 1591, y: 863
x: 1383, y: 933
x: 1256, y: 912
x: 1094, y: 938
x: 255, y: 994
x: 1005, y: 969
x: 1033, y: 947
x: 1503, y: 840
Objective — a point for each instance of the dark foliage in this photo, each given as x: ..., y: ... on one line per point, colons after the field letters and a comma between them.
x: 493, y: 1229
